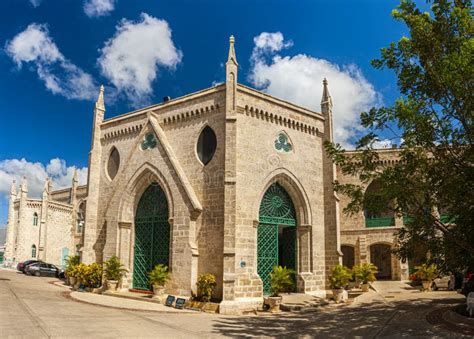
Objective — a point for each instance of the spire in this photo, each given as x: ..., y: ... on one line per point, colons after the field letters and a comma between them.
x: 99, y: 104
x: 74, y: 177
x: 46, y: 190
x: 24, y: 185
x: 232, y: 58
x: 326, y: 98
x: 13, y: 188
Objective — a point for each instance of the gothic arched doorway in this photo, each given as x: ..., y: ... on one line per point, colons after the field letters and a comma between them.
x: 276, y: 233
x: 381, y: 256
x: 152, y: 235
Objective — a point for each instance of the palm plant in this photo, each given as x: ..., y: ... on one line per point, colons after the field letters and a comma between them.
x: 339, y: 277
x: 113, y: 269
x: 365, y: 273
x: 159, y: 275
x: 281, y: 280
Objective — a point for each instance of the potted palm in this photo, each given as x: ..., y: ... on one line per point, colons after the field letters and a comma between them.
x: 338, y: 280
x: 281, y: 280
x: 365, y: 273
x: 71, y: 263
x: 114, y: 271
x: 159, y: 276
x: 426, y: 273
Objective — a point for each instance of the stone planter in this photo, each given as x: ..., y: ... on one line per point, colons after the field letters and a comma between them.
x: 158, y: 291
x: 426, y: 284
x: 76, y: 286
x: 273, y: 303
x: 365, y: 287
x: 337, y: 294
x: 71, y: 281
x: 112, y: 285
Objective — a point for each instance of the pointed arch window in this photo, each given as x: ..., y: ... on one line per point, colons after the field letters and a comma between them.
x: 33, y: 251
x: 113, y: 163
x: 35, y: 219
x: 206, y: 145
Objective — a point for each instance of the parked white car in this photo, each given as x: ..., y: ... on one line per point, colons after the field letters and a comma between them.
x: 445, y: 282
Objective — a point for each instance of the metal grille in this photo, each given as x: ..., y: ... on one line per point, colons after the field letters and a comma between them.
x: 267, y: 253
x: 276, y: 207
x: 152, y: 235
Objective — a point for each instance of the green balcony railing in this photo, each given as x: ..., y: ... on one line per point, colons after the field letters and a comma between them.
x: 380, y: 222
x: 444, y: 218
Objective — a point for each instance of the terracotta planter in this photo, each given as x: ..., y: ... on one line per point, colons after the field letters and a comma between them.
x: 426, y: 284
x: 158, y: 290
x: 337, y: 294
x: 273, y: 303
x: 112, y: 285
x: 365, y: 287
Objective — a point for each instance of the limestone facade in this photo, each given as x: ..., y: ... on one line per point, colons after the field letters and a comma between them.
x: 47, y: 228
x: 212, y: 209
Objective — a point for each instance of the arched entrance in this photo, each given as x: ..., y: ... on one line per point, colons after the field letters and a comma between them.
x: 348, y: 259
x: 152, y: 235
x: 381, y: 256
x: 276, y: 233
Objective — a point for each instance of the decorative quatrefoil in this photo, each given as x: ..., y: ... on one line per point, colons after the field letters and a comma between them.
x: 149, y: 142
x: 282, y: 143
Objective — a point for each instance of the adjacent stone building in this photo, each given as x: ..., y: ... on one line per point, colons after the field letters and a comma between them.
x: 228, y: 180
x: 48, y: 229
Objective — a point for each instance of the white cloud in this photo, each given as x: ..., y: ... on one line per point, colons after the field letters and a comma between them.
x: 36, y: 3
x: 98, y: 8
x: 299, y: 79
x: 384, y: 143
x: 131, y: 58
x: 34, y: 46
x: 36, y: 174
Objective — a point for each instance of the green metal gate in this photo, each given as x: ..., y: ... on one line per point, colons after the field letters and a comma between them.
x: 152, y: 235
x: 273, y: 248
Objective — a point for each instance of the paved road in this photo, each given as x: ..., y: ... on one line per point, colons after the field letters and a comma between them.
x: 31, y: 307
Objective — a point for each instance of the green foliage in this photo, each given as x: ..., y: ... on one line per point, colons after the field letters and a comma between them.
x: 159, y: 275
x: 71, y: 263
x: 113, y: 269
x: 434, y: 121
x: 426, y: 272
x: 281, y: 280
x: 205, y: 285
x: 365, y: 272
x: 340, y: 277
x: 89, y: 275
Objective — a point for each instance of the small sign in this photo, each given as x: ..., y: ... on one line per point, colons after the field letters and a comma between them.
x: 180, y: 303
x: 170, y: 300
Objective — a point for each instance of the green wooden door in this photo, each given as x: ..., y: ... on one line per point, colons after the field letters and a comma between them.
x: 152, y: 235
x: 275, y: 248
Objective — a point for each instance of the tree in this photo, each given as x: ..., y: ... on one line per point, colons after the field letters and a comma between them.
x: 434, y: 120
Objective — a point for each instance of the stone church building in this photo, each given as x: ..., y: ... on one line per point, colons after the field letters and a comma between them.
x: 228, y: 180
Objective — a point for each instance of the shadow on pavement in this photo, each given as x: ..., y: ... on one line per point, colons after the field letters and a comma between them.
x: 369, y: 319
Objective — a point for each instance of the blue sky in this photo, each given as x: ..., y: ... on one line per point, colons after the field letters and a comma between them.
x: 184, y: 47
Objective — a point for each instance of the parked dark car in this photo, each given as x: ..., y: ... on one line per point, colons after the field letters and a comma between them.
x: 42, y: 269
x: 21, y: 266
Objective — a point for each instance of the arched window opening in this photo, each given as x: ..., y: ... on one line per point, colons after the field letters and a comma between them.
x: 379, y: 212
x: 80, y: 218
x: 113, y: 163
x: 33, y: 251
x: 206, y: 145
x: 35, y: 219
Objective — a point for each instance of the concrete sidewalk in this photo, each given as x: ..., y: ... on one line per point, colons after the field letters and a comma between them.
x: 123, y: 303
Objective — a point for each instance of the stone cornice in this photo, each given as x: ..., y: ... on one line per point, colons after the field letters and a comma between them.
x: 280, y: 120
x: 280, y: 102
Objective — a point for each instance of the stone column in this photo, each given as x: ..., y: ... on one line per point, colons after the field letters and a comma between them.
x: 12, y: 225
